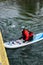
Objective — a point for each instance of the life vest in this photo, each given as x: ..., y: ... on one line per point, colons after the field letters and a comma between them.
x: 25, y: 34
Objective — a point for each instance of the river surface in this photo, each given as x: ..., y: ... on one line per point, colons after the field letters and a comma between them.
x: 15, y: 15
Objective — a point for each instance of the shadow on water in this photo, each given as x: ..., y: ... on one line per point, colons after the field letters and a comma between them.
x: 14, y: 15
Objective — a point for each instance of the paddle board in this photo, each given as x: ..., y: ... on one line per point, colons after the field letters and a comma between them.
x: 19, y: 43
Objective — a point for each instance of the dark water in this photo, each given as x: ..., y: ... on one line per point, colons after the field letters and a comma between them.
x: 14, y: 15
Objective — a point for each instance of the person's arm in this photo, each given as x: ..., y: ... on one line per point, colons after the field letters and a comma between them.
x: 20, y: 38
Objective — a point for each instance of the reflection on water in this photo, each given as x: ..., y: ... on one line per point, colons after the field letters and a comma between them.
x: 16, y: 14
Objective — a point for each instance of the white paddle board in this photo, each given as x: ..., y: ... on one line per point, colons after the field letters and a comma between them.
x: 20, y: 43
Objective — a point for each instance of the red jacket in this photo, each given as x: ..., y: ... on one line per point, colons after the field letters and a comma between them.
x: 26, y: 34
